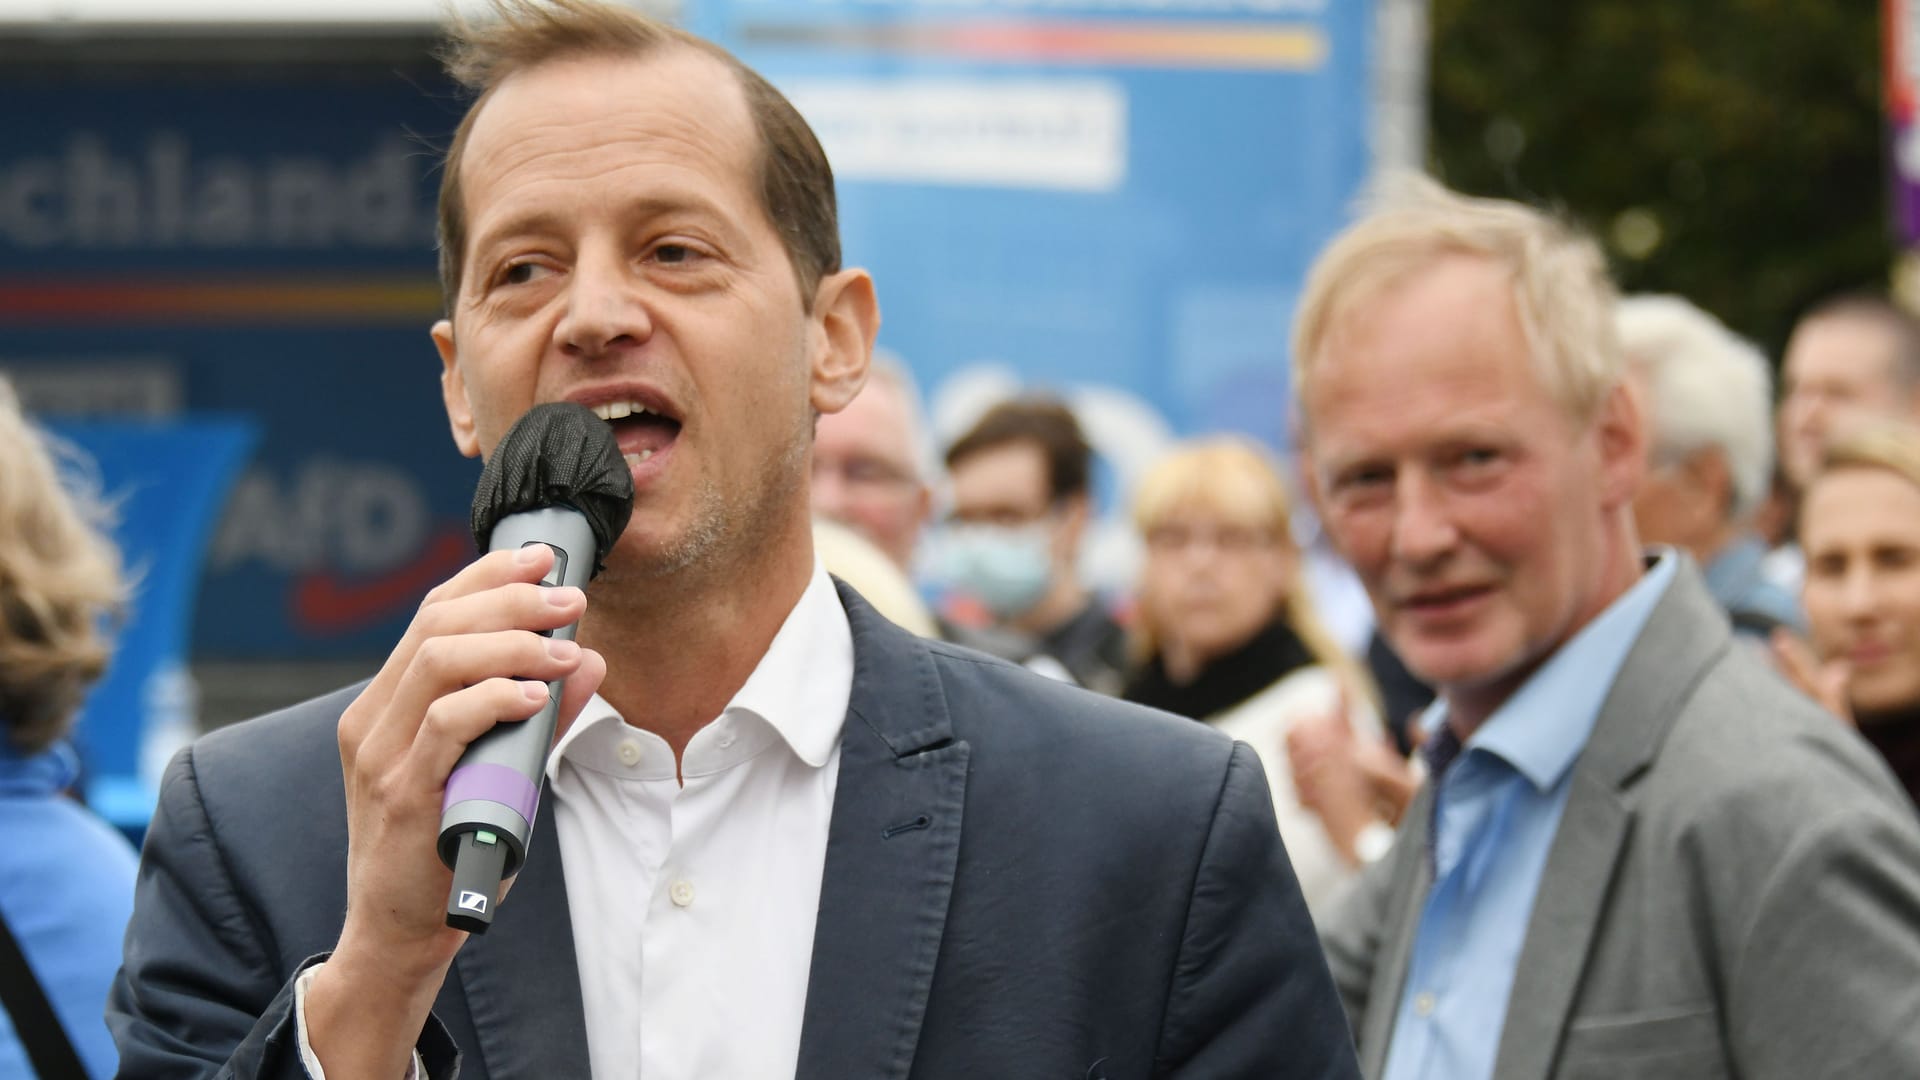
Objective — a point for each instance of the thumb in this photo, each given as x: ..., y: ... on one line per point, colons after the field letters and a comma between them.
x: 1831, y: 686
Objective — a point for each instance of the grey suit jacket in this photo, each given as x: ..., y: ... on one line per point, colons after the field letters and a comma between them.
x: 1734, y: 890
x: 1022, y: 880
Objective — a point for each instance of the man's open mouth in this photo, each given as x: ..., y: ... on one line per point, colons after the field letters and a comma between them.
x: 640, y: 430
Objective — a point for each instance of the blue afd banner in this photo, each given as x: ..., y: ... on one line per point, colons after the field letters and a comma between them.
x: 1114, y: 200
x: 176, y: 240
x: 166, y: 483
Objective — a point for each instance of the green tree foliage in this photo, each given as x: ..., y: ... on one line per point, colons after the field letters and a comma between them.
x: 1732, y: 152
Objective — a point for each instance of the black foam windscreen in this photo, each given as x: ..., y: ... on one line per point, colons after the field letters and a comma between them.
x: 558, y: 454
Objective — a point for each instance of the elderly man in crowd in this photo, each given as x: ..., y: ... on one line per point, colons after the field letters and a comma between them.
x: 1709, y: 402
x: 870, y: 463
x: 1639, y: 853
x: 1852, y: 360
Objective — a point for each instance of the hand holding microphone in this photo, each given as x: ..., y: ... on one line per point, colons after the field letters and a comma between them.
x: 556, y: 479
x: 483, y: 654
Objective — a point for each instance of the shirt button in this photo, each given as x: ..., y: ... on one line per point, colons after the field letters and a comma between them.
x: 726, y: 739
x: 1423, y: 1004
x: 629, y: 753
x: 682, y: 893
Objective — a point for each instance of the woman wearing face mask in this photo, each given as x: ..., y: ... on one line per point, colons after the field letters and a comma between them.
x: 1860, y: 529
x: 1225, y: 634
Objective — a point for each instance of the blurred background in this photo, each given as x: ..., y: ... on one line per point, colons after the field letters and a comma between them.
x: 217, y: 264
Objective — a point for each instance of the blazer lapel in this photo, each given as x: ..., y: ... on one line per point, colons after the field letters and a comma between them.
x: 1685, y: 633
x: 892, y: 848
x: 1573, y: 890
x: 521, y: 978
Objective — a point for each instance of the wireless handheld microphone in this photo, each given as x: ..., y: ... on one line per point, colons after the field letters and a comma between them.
x: 558, y: 479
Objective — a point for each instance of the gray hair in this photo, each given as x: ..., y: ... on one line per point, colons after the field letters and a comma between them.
x: 1709, y: 389
x: 1561, y: 291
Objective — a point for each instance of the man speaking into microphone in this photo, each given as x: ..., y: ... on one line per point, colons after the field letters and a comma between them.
x: 780, y: 837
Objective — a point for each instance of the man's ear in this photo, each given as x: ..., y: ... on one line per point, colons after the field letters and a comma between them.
x: 846, y: 318
x: 1307, y: 476
x: 1620, y: 433
x: 453, y: 391
x: 1708, y: 470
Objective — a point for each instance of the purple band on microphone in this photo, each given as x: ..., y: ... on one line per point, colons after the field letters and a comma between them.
x: 494, y: 783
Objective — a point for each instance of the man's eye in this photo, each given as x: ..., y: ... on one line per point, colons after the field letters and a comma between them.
x: 673, y: 254
x: 1827, y: 566
x: 1895, y: 558
x: 519, y: 273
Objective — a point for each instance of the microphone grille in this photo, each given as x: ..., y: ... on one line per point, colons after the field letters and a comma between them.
x: 557, y: 454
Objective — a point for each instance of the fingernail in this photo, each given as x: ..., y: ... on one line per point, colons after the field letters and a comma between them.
x: 562, y: 649
x: 535, y: 691
x: 527, y: 554
x: 564, y: 596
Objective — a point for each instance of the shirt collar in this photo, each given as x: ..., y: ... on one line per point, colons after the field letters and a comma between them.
x: 1734, y: 570
x: 801, y: 688
x: 46, y: 772
x: 1542, y: 728
x: 800, y: 691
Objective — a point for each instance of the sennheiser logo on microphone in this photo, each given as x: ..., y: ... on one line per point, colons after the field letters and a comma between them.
x: 474, y: 901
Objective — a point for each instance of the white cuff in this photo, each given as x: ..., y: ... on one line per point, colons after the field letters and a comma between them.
x: 416, y: 1069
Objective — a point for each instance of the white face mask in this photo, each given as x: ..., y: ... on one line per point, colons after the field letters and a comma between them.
x: 1006, y: 569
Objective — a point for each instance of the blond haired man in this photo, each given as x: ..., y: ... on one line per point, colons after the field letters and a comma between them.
x: 1640, y: 854
x: 785, y: 838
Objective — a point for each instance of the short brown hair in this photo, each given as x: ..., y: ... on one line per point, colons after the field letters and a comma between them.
x: 796, y: 182
x: 1047, y: 424
x: 60, y: 580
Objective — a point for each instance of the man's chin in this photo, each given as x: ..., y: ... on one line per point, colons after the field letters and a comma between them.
x: 1457, y: 666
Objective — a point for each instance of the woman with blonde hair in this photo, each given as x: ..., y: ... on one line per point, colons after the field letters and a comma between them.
x: 1860, y: 530
x: 1225, y: 632
x: 66, y: 877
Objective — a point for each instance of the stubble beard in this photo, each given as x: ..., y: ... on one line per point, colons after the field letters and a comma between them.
x: 725, y: 539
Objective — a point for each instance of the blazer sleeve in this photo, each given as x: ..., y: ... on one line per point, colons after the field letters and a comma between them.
x: 1250, y: 994
x: 198, y: 994
x: 1827, y: 976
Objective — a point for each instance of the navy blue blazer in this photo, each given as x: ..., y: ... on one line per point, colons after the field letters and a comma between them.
x: 1022, y: 879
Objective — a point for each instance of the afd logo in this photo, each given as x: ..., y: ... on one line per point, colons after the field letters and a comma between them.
x: 473, y: 901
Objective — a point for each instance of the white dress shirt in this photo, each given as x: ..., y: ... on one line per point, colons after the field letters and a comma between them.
x: 693, y: 906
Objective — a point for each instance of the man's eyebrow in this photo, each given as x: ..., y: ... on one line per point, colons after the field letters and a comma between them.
x: 536, y: 220
x: 519, y: 224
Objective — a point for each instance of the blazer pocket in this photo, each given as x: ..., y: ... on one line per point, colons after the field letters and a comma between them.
x: 1679, y: 1043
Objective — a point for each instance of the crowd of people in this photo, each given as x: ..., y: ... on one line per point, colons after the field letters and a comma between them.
x: 1621, y: 784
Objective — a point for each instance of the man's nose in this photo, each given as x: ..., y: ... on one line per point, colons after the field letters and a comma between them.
x: 1423, y: 530
x: 605, y: 308
x: 1860, y: 592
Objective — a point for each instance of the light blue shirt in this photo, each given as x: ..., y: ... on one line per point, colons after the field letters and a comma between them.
x: 1497, y: 809
x: 1737, y: 579
x: 66, y: 887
